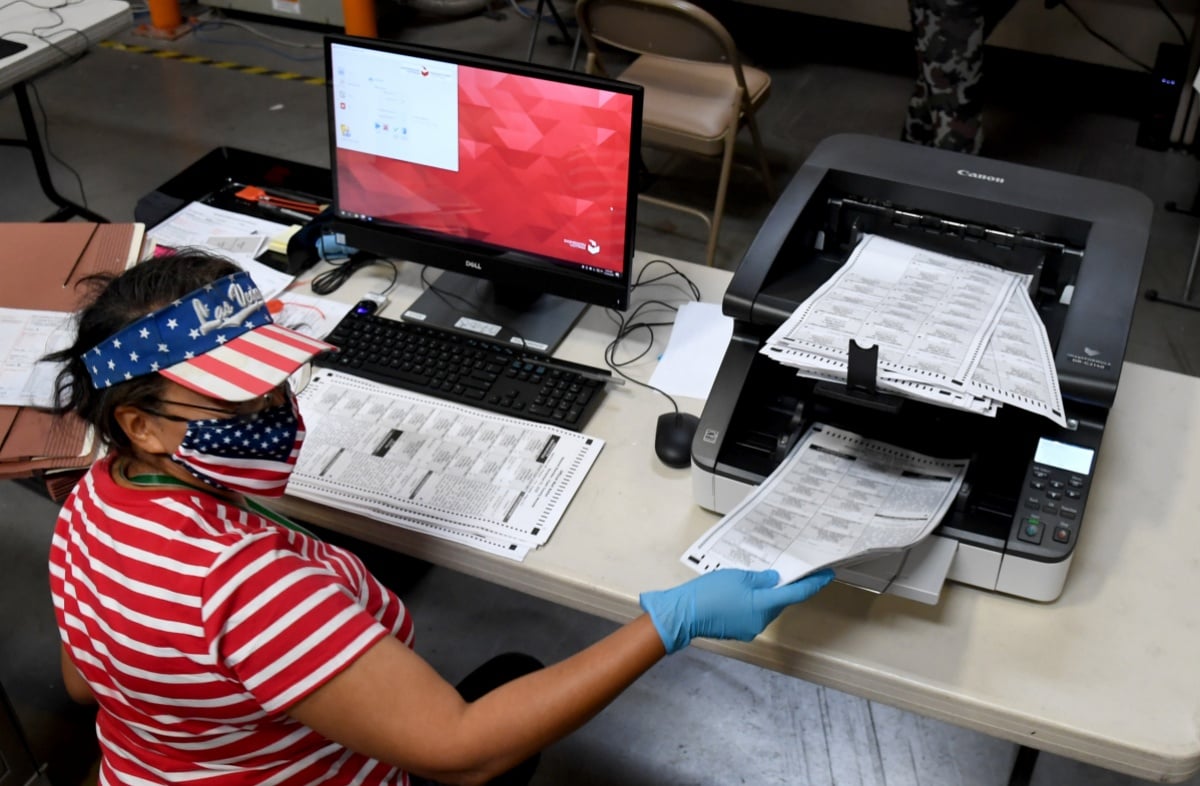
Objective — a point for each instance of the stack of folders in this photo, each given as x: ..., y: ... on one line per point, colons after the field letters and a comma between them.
x: 950, y: 331
x: 45, y: 265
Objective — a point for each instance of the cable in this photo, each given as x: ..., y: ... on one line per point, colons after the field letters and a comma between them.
x: 222, y: 21
x: 1104, y: 40
x: 35, y: 32
x: 1163, y: 6
x: 339, y: 273
x: 198, y: 30
x: 395, y: 276
x: 71, y: 58
x: 638, y: 282
x: 628, y: 324
x: 37, y: 99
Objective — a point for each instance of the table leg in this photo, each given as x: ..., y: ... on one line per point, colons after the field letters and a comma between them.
x: 1022, y: 770
x: 33, y: 141
x: 537, y: 23
x: 1185, y: 300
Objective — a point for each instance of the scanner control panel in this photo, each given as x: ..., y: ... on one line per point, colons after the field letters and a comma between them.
x: 1047, y: 519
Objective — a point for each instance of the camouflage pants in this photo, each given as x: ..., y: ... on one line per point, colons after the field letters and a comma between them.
x: 946, y: 109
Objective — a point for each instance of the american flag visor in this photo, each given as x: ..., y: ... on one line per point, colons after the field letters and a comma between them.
x: 219, y: 341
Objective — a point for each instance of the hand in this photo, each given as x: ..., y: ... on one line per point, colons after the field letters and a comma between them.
x: 725, y: 604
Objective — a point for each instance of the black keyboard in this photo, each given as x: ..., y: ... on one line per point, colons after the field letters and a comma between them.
x: 464, y: 369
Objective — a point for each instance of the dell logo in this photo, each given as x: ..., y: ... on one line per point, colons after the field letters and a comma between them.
x: 472, y: 264
x: 979, y: 176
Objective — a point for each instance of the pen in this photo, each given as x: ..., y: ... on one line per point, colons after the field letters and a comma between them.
x: 285, y: 211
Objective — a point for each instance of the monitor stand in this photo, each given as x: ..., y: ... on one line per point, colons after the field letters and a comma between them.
x: 474, y: 306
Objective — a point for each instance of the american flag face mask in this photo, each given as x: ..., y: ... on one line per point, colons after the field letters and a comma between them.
x: 249, y: 454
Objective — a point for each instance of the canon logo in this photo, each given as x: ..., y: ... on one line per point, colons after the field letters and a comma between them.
x: 472, y: 264
x: 980, y: 176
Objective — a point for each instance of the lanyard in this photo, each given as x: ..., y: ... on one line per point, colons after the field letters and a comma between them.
x: 151, y: 480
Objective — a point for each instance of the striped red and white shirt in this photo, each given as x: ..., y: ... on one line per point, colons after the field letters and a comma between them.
x: 197, y: 624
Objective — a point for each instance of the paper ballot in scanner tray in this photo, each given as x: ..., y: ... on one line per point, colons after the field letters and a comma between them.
x: 1016, y: 522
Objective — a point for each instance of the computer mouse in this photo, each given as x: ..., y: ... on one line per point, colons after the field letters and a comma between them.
x: 673, y: 438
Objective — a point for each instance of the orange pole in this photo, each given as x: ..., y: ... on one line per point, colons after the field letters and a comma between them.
x: 360, y: 18
x: 164, y: 14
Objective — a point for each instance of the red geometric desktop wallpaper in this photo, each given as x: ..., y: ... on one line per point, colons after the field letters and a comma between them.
x: 543, y: 167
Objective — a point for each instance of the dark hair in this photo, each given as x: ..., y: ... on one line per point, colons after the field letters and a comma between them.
x: 118, y: 301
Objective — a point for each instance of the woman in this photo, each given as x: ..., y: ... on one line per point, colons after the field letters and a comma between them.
x: 226, y: 646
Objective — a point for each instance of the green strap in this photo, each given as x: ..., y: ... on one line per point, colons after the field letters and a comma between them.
x: 152, y: 479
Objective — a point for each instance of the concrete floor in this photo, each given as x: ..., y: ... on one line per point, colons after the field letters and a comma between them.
x: 128, y: 121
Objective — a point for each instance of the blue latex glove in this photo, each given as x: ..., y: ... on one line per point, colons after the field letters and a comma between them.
x: 725, y: 604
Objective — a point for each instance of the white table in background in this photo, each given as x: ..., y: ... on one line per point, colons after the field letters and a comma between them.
x: 52, y: 36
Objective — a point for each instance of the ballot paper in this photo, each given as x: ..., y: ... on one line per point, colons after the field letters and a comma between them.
x: 496, y: 483
x: 837, y: 498
x: 950, y: 331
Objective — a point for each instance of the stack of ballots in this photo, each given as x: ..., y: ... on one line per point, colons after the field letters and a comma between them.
x: 950, y: 331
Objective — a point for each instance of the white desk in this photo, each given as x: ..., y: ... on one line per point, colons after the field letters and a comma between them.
x: 1108, y: 674
x: 52, y: 36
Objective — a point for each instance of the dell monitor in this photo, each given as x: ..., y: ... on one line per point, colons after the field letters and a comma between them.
x: 517, y: 180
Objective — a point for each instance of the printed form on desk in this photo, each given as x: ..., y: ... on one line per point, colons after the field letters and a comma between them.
x: 836, y: 499
x: 496, y: 483
x: 26, y: 335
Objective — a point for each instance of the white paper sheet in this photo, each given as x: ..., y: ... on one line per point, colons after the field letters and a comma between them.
x: 689, y: 365
x: 312, y: 316
x: 226, y: 233
x: 496, y: 483
x: 836, y: 499
x: 26, y: 335
x: 1017, y: 367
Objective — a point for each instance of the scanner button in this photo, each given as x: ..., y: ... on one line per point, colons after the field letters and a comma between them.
x: 1038, y: 485
x: 1033, y: 502
x: 1068, y: 512
x: 1062, y: 534
x: 1031, y: 530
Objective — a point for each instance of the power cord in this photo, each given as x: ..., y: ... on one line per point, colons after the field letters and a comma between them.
x: 628, y: 324
x: 71, y: 58
x: 216, y: 21
x: 1178, y: 28
x: 329, y: 281
x: 37, y: 99
x: 1106, y: 41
